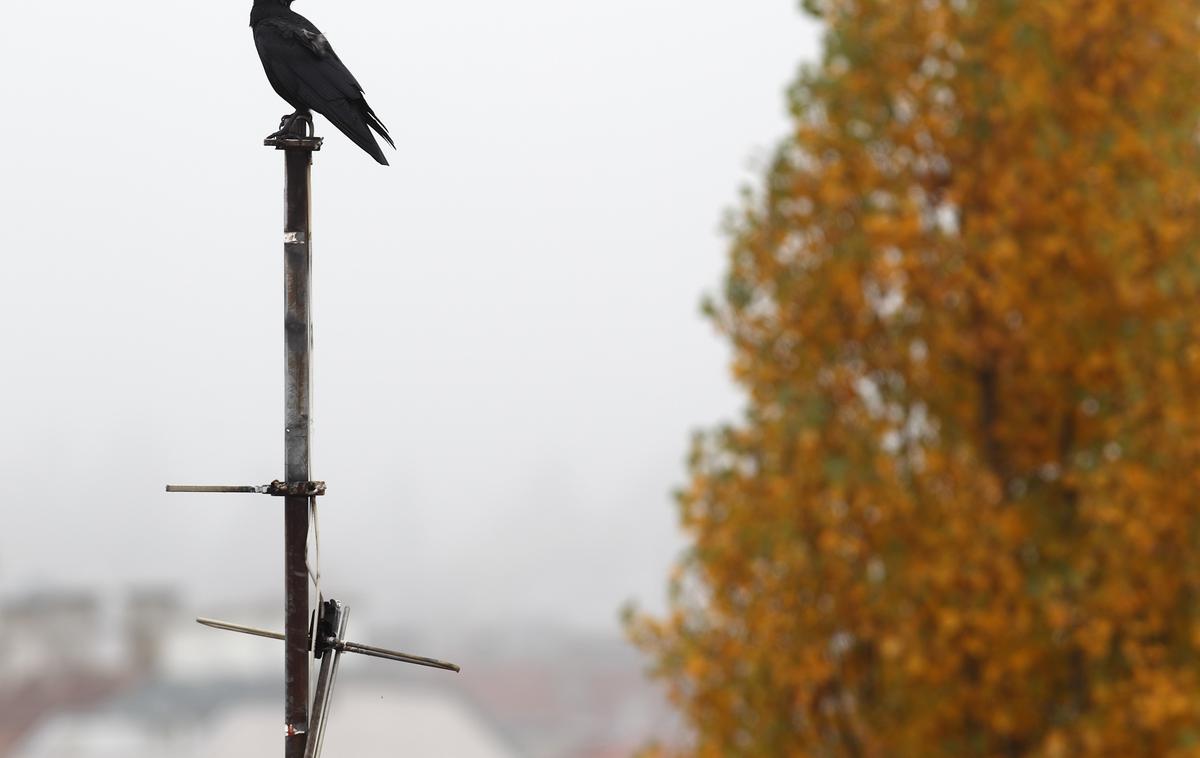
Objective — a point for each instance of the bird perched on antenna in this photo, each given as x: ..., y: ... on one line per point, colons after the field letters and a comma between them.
x: 305, y: 71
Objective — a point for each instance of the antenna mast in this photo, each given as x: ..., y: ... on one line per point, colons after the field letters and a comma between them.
x: 304, y: 731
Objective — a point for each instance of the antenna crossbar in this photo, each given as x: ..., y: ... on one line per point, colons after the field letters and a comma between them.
x: 275, y: 488
x: 338, y: 644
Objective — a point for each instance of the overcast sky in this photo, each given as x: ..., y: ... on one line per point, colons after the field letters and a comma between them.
x: 509, y: 358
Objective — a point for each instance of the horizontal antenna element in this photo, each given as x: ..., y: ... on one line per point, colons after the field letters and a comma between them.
x: 340, y: 645
x: 275, y: 488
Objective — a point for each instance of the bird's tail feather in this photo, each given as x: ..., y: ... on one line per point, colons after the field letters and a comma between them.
x: 374, y: 122
x: 352, y: 118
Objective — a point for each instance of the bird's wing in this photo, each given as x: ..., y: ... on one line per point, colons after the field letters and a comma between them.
x: 305, y: 59
x: 305, y: 70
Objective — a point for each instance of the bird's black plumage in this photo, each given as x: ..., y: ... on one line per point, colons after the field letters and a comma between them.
x: 305, y: 71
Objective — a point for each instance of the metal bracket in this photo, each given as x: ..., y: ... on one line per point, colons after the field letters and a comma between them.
x: 330, y: 627
x: 275, y: 488
x: 290, y: 138
x: 294, y: 143
x: 295, y: 489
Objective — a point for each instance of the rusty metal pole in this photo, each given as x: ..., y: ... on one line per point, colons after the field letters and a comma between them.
x: 297, y: 251
x: 303, y: 731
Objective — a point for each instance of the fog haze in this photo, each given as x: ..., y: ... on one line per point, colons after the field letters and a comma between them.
x: 509, y: 358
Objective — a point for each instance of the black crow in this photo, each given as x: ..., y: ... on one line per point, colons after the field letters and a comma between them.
x: 305, y: 71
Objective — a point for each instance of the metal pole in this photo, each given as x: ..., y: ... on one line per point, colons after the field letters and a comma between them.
x: 297, y: 250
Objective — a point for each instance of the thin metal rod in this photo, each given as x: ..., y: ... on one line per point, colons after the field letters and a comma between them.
x: 297, y: 252
x: 228, y: 627
x: 325, y: 682
x: 392, y: 655
x: 342, y: 646
x: 337, y: 660
x: 215, y: 488
x: 275, y: 488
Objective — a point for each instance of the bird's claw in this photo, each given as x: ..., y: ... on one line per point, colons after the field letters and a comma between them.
x: 298, y: 124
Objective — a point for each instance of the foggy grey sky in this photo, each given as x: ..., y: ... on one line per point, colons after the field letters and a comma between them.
x: 509, y: 357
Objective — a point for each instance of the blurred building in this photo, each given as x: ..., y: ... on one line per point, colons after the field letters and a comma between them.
x: 135, y: 677
x: 236, y: 719
x: 48, y: 634
x: 148, y: 615
x: 51, y: 659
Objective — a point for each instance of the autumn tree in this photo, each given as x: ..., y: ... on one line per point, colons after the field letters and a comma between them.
x: 961, y: 514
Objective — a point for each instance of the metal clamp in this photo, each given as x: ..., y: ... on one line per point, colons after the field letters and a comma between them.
x: 295, y: 489
x: 288, y: 142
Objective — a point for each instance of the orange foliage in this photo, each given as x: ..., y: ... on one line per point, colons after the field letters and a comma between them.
x: 961, y: 515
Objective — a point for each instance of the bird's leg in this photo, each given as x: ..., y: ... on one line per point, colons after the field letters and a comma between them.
x: 285, y: 126
x: 312, y: 129
x: 301, y: 124
x: 288, y: 125
x: 282, y: 130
